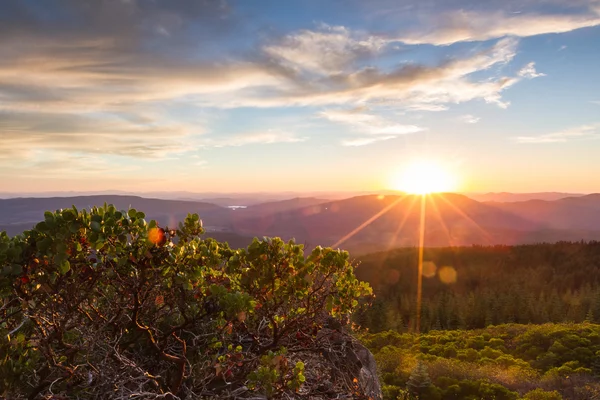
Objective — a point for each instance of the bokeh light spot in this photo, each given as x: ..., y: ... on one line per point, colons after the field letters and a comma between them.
x: 429, y: 269
x: 157, y: 236
x: 447, y: 275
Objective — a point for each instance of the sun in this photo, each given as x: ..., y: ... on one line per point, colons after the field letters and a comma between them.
x: 424, y: 177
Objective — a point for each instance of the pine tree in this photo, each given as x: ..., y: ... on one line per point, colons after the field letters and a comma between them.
x: 419, y: 379
x: 589, y: 317
x: 596, y: 366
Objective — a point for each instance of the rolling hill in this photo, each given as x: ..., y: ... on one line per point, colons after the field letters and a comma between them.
x: 360, y: 224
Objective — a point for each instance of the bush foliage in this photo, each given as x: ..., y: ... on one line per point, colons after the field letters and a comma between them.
x: 546, y: 362
x: 102, y: 304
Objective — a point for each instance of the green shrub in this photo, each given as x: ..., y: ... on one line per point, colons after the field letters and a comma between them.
x: 102, y: 304
x: 540, y: 394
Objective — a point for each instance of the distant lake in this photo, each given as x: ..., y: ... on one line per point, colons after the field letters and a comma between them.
x: 236, y: 207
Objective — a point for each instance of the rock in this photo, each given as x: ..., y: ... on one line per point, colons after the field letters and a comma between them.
x: 367, y: 378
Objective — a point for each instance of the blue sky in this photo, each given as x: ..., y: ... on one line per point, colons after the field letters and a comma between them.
x: 236, y: 96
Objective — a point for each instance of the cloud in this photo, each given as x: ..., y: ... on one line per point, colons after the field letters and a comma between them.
x: 412, y: 86
x: 529, y: 71
x: 365, y: 141
x: 106, y: 87
x: 270, y: 136
x: 578, y: 133
x: 469, y: 119
x: 364, y: 123
x: 24, y: 133
x: 469, y: 26
x: 330, y: 50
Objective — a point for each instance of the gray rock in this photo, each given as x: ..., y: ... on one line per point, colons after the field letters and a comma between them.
x: 367, y: 378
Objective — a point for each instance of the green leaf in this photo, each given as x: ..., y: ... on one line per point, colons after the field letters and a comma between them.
x: 96, y: 227
x: 73, y: 226
x: 64, y: 267
x: 68, y: 215
x: 44, y: 244
x: 132, y: 212
x: 16, y: 269
x: 42, y: 227
x: 140, y: 215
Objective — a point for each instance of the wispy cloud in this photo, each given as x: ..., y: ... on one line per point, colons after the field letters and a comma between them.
x: 329, y: 50
x: 469, y: 26
x: 529, y: 71
x: 360, y: 121
x: 578, y: 133
x: 270, y: 136
x: 469, y: 119
x: 24, y: 133
x: 365, y: 140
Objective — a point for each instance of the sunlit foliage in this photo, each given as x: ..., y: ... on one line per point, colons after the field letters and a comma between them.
x: 102, y: 304
x: 546, y: 362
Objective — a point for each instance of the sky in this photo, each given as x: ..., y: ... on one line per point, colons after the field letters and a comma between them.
x: 271, y: 95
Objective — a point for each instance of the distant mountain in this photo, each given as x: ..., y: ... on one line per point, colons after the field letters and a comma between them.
x: 451, y: 219
x: 25, y: 210
x: 504, y: 197
x: 360, y: 224
x: 274, y: 207
x: 569, y: 213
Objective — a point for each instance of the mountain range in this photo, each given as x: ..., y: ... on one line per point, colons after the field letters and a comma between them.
x: 361, y: 223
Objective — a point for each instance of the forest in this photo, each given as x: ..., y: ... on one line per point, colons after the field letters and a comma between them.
x: 474, y: 287
x: 500, y: 322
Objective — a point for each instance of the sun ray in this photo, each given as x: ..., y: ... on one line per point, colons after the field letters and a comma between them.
x: 420, y: 266
x: 469, y: 219
x: 392, y: 242
x: 401, y: 224
x: 441, y: 220
x: 368, y: 222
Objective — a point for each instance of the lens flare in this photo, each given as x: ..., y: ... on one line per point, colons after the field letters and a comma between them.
x: 447, y: 275
x: 429, y: 269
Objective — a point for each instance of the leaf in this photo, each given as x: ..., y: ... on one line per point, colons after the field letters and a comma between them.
x: 64, y: 267
x: 68, y: 215
x: 96, y: 227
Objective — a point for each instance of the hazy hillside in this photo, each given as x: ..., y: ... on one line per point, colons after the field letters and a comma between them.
x: 387, y: 221
x: 450, y: 219
x: 511, y: 197
x: 24, y: 210
x: 568, y: 213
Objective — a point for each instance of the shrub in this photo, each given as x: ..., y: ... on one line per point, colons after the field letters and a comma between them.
x: 540, y: 394
x: 102, y: 304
